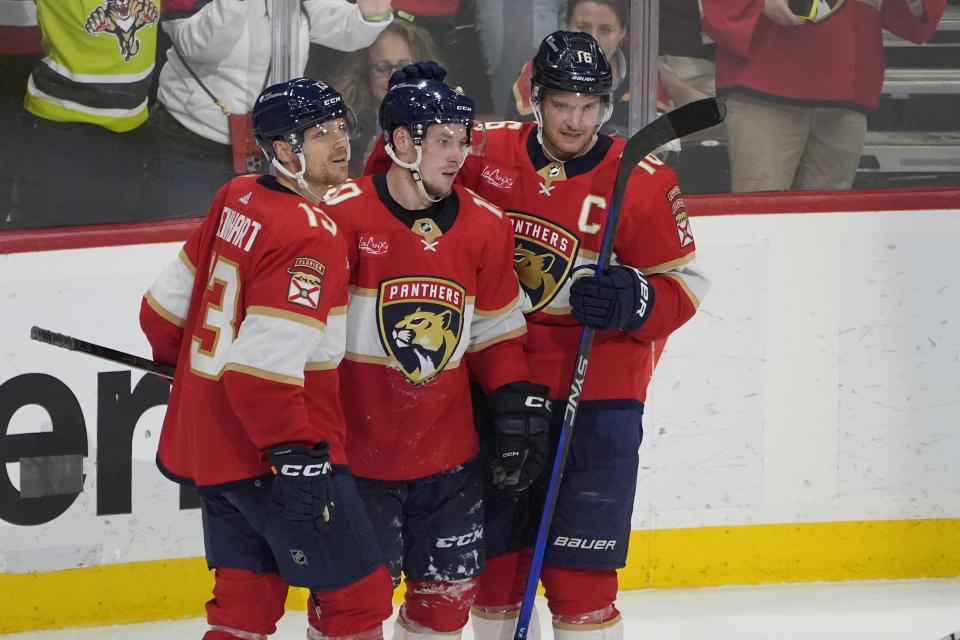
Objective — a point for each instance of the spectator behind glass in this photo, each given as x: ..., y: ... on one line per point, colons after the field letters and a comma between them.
x: 227, y: 43
x: 86, y: 100
x: 798, y: 90
x: 606, y: 21
x: 686, y: 63
x: 362, y: 80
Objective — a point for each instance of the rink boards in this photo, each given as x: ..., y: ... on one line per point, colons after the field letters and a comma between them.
x: 801, y: 427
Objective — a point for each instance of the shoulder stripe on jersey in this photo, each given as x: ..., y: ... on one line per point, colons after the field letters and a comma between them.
x: 273, y: 312
x: 262, y: 373
x: 338, y: 311
x: 163, y: 313
x: 356, y: 290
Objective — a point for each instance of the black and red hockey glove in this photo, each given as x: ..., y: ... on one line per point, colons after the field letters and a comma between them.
x: 621, y: 298
x: 303, y: 490
x: 521, y: 424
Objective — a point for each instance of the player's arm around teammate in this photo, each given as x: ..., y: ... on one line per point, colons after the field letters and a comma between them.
x: 257, y: 302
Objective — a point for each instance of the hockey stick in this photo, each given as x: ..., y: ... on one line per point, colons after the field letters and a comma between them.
x: 68, y: 342
x: 680, y: 122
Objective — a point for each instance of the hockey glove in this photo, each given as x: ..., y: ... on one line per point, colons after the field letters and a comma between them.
x: 427, y: 70
x: 521, y: 419
x: 621, y: 298
x: 303, y: 489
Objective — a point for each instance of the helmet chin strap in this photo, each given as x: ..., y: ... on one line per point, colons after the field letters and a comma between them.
x: 301, y: 181
x: 414, y: 169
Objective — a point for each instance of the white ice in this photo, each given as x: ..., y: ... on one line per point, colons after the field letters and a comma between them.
x: 875, y: 610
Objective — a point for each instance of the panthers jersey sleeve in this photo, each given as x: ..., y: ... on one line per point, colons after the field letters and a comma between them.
x: 655, y: 237
x: 497, y: 332
x: 293, y: 320
x: 163, y: 310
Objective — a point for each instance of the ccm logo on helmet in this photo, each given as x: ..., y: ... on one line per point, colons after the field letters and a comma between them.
x: 306, y: 470
x: 584, y: 543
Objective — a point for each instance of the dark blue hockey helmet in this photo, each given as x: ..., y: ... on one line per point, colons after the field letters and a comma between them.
x: 419, y: 103
x: 573, y: 62
x: 287, y: 109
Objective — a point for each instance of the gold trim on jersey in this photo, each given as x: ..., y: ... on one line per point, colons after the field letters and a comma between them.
x: 262, y: 373
x: 186, y: 261
x: 686, y: 289
x: 162, y: 312
x: 272, y: 312
x: 483, y: 313
x: 326, y: 365
x: 668, y: 266
x: 427, y: 229
x: 500, y: 338
x: 553, y: 172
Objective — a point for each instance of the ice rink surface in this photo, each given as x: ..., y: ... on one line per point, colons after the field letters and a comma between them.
x: 874, y: 610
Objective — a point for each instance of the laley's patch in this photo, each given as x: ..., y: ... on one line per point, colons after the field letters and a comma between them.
x: 543, y: 256
x: 306, y: 276
x: 420, y: 320
x: 679, y: 208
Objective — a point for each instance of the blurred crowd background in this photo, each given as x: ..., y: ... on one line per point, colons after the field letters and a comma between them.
x: 136, y: 110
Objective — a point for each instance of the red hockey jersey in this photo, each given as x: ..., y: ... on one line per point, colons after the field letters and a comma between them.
x: 838, y: 62
x: 429, y: 291
x: 558, y: 212
x: 254, y: 315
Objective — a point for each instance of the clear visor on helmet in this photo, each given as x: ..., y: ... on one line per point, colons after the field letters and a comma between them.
x: 588, y: 108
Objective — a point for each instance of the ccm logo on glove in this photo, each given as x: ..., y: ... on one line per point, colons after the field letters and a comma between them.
x: 309, y: 470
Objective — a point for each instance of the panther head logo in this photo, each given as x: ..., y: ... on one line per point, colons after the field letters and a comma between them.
x: 542, y: 257
x: 428, y: 337
x: 420, y: 319
x: 533, y: 270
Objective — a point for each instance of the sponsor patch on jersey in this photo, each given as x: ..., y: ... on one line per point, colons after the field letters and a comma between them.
x: 373, y: 244
x: 679, y: 208
x: 497, y: 177
x: 306, y: 277
x: 543, y: 255
x: 420, y: 320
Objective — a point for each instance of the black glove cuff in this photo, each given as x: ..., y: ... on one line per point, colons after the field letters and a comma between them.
x: 513, y: 405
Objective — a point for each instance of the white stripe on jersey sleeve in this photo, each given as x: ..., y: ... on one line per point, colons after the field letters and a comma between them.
x: 169, y: 295
x: 274, y: 347
x: 694, y: 282
x: 489, y: 329
x: 328, y: 352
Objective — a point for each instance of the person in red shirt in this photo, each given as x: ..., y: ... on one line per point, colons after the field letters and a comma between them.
x: 433, y: 297
x: 253, y: 313
x: 554, y: 178
x: 798, y: 90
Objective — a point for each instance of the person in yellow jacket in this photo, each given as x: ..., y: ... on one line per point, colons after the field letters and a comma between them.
x: 87, y: 96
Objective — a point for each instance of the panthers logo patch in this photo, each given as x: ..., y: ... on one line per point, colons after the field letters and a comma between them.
x: 420, y: 321
x: 543, y: 256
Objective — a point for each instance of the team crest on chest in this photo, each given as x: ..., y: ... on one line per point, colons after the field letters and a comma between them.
x: 306, y: 276
x: 420, y: 320
x: 543, y: 255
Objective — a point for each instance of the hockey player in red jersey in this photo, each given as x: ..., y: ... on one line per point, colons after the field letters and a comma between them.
x: 253, y: 313
x: 554, y: 178
x: 433, y: 293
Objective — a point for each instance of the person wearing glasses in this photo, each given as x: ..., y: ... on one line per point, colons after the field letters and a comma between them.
x: 362, y: 80
x: 799, y: 78
x: 220, y: 59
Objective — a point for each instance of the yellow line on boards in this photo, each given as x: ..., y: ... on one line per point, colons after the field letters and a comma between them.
x: 702, y: 556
